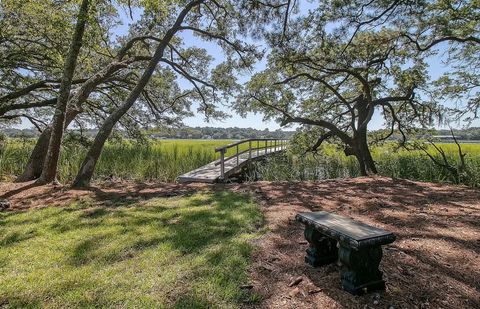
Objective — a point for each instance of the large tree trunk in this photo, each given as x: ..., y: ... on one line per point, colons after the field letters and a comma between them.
x: 34, y: 167
x: 361, y: 150
x: 49, y: 170
x: 365, y: 161
x: 371, y: 166
x: 85, y: 173
x: 364, y: 152
x: 88, y: 165
x: 361, y: 165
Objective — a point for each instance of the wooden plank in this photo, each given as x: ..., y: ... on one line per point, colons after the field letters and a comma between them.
x: 211, y: 171
x: 357, y: 234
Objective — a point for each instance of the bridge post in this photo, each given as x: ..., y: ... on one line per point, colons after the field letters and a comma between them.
x: 258, y: 147
x: 222, y: 164
x: 266, y: 146
x: 237, y: 155
x: 275, y: 147
x: 249, y: 149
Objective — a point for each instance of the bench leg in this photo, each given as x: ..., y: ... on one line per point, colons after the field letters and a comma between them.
x: 322, y: 250
x: 359, y: 272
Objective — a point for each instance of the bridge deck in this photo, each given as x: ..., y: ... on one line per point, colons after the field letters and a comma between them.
x: 211, y: 172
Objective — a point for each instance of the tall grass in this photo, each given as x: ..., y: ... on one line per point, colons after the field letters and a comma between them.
x: 166, y: 159
x: 160, y: 160
x: 390, y: 161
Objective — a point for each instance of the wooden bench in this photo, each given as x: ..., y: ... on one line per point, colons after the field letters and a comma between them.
x: 356, y: 245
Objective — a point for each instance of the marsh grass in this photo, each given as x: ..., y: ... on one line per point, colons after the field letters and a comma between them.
x: 391, y: 161
x: 180, y: 252
x: 164, y: 160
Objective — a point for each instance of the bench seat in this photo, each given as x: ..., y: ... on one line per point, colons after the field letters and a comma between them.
x: 356, y: 245
x: 357, y: 234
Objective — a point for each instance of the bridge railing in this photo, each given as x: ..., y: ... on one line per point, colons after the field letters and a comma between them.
x: 256, y: 146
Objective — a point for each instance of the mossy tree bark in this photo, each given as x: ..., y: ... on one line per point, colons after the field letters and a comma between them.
x: 49, y: 169
x: 34, y: 166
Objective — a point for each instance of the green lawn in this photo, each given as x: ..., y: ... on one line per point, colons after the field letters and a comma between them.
x: 180, y: 252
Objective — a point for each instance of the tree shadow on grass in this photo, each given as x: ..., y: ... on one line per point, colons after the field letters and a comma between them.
x: 191, y: 302
x: 83, y: 252
x: 14, y: 238
x: 191, y: 227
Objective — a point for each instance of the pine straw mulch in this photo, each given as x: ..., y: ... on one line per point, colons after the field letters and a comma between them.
x: 434, y: 263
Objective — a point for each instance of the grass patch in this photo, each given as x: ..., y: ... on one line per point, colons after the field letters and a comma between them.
x: 180, y: 252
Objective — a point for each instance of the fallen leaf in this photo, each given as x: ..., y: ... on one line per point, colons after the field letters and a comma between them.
x: 296, y: 281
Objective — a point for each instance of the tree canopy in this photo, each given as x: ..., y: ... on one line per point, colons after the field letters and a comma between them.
x: 330, y: 70
x: 345, y: 61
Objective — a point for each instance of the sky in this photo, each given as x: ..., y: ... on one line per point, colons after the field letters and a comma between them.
x: 198, y: 120
x: 437, y: 68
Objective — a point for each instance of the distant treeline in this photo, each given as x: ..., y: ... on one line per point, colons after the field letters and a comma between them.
x: 178, y: 133
x: 465, y: 134
x: 219, y: 133
x: 472, y: 133
x: 469, y: 134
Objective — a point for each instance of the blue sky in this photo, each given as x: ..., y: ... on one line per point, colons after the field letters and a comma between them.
x: 251, y: 121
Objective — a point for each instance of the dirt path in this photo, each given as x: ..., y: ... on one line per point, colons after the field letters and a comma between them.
x: 433, y: 264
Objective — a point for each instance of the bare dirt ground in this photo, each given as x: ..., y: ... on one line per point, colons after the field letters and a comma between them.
x: 434, y: 263
x: 24, y: 196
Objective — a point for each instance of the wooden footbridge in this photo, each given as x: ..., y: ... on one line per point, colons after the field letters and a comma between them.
x: 245, y: 151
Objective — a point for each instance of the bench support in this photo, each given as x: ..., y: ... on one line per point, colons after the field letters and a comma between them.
x: 322, y: 250
x: 359, y: 248
x: 359, y: 272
